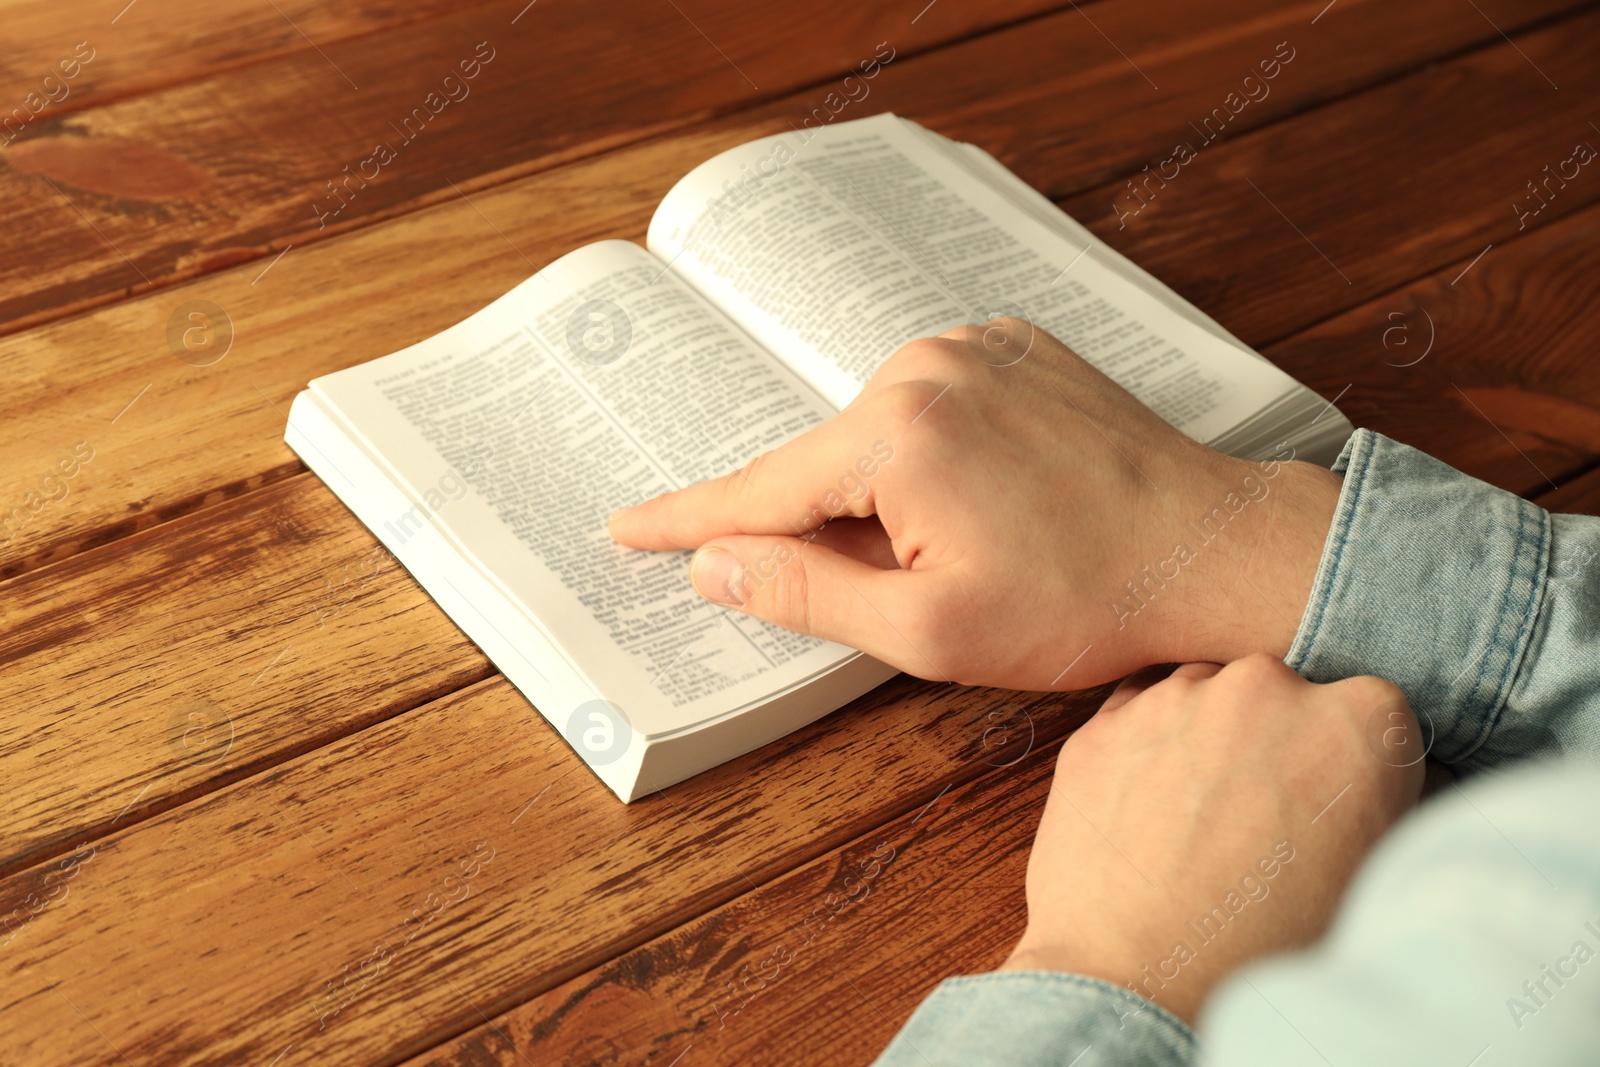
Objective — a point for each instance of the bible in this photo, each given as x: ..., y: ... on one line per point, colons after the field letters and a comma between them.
x: 774, y: 279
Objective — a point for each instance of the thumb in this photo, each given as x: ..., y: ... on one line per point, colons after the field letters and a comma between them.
x: 810, y: 588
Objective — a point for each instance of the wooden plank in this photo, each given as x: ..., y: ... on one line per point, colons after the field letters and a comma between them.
x: 1580, y: 496
x: 1069, y: 107
x: 144, y: 191
x: 196, y: 435
x: 1254, y: 230
x: 168, y: 437
x: 147, y: 672
x: 236, y: 924
x: 130, y: 46
x: 820, y: 965
x: 1487, y: 364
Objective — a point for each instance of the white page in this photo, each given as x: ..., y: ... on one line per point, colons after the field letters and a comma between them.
x: 836, y: 250
x: 513, y: 434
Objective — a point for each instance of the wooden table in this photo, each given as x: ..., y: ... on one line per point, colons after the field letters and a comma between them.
x: 241, y: 751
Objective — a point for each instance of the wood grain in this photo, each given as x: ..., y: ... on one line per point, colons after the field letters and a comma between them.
x: 143, y: 674
x: 1144, y: 76
x: 133, y: 195
x: 1284, y: 245
x: 169, y: 436
x: 217, y: 932
x: 132, y: 45
x: 196, y: 435
x: 820, y: 965
x: 1487, y: 364
x: 214, y: 188
x: 1580, y: 496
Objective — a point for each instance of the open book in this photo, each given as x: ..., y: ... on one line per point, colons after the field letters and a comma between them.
x: 779, y: 275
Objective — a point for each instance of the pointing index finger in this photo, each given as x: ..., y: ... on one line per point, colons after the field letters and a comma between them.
x: 825, y: 473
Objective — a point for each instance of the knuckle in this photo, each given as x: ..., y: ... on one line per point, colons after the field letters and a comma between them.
x: 733, y: 488
x: 931, y: 357
x: 1262, y: 667
x: 1012, y: 325
x: 1000, y: 340
x: 1367, y: 691
x: 746, y: 475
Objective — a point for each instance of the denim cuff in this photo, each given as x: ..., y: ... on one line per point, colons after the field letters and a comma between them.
x: 1431, y: 579
x: 1039, y: 1019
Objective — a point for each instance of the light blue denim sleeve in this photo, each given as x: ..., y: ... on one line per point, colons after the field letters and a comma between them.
x: 1481, y: 606
x: 1470, y: 937
x: 1038, y: 1019
x: 1485, y: 610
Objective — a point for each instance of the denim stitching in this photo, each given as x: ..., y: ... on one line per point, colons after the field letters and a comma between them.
x: 1362, y: 446
x: 1491, y: 643
x: 1534, y: 598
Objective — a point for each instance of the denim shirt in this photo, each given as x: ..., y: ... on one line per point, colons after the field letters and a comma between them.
x: 1471, y: 936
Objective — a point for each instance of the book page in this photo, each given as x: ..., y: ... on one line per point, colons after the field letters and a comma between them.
x: 600, y: 382
x: 833, y: 247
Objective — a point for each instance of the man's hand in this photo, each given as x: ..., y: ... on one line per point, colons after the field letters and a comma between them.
x: 1214, y: 817
x: 1031, y: 526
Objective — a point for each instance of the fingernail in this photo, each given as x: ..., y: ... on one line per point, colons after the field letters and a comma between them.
x: 715, y: 573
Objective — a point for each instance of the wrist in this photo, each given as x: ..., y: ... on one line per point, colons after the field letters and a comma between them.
x: 1180, y: 1001
x: 1283, y: 553
x: 1256, y: 532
